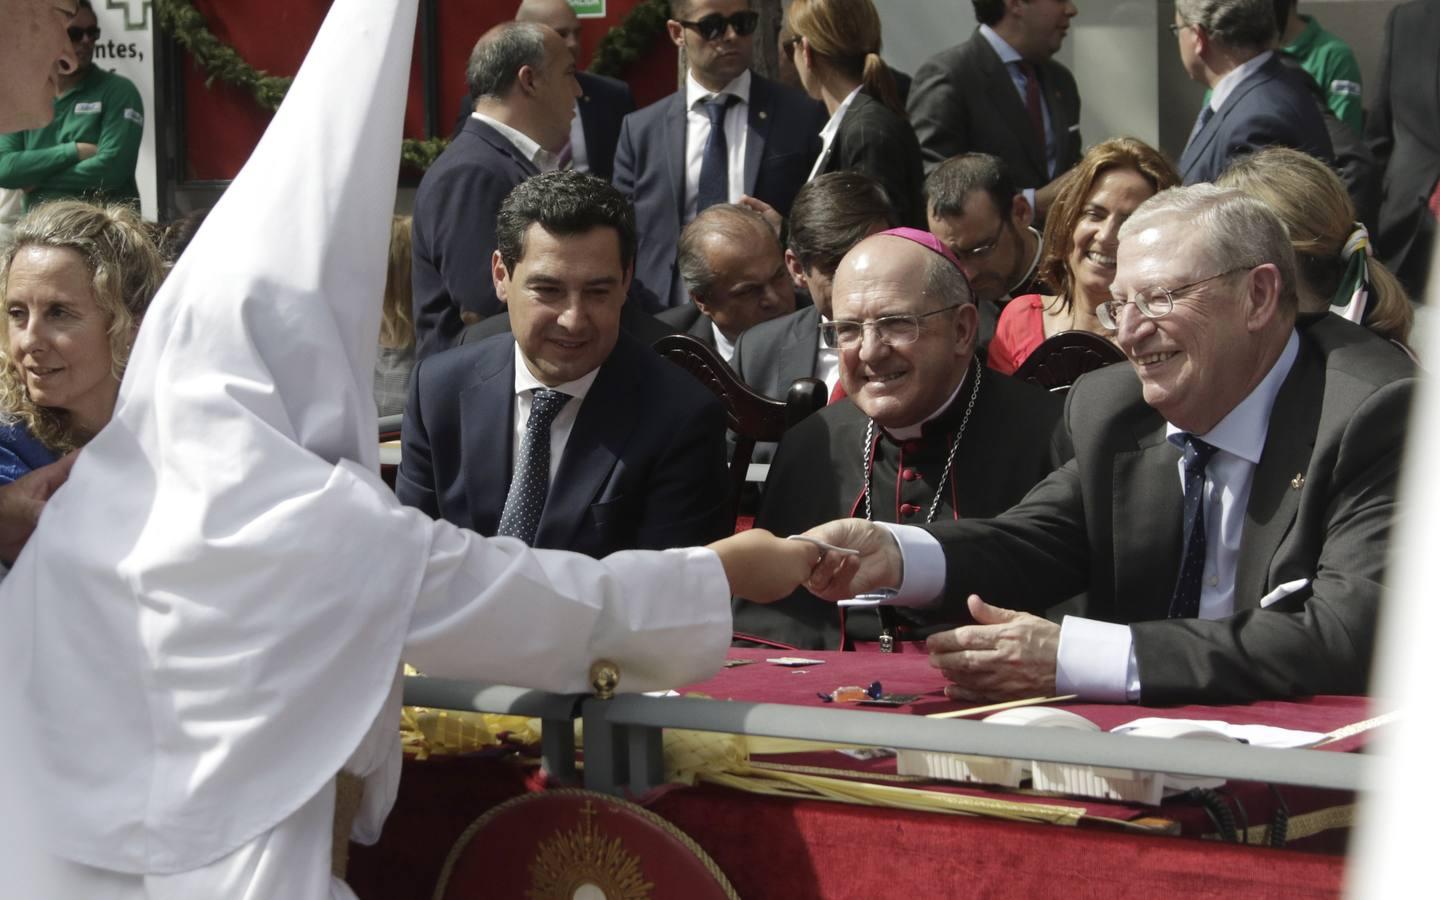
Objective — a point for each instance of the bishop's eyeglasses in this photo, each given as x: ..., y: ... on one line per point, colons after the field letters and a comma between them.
x: 892, y: 331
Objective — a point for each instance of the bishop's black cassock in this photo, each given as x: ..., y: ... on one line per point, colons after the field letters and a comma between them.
x: 1010, y: 443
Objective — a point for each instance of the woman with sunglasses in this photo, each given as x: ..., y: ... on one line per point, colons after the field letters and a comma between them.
x: 836, y: 51
x: 1077, y: 251
x: 91, y: 147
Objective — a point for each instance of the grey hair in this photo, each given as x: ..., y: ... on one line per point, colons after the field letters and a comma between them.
x: 945, y: 283
x: 727, y: 220
x: 1232, y: 23
x: 1232, y: 228
x: 495, y: 62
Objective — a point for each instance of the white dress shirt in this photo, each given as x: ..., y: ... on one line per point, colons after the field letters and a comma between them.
x: 525, y: 386
x: 723, y: 345
x: 697, y: 132
x: 1097, y: 659
x: 827, y: 362
x: 526, y: 146
x: 827, y: 134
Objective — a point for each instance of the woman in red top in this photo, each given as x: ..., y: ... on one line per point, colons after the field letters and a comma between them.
x: 1078, y: 250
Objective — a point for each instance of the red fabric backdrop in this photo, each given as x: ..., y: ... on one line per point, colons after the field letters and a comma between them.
x: 223, y: 124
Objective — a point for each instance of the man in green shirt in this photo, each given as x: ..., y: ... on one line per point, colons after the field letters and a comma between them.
x: 90, y: 148
x: 1326, y: 58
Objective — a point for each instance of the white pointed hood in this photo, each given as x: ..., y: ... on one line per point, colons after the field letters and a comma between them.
x: 233, y: 497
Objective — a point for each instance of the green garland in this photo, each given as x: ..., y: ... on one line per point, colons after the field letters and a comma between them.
x: 620, y: 47
x: 629, y: 40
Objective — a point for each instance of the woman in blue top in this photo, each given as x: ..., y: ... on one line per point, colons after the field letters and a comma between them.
x: 75, y: 281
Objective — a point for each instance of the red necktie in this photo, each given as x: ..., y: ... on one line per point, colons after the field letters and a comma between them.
x: 838, y: 393
x: 1032, y: 100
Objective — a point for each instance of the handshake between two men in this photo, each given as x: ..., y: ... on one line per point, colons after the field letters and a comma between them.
x: 1005, y: 654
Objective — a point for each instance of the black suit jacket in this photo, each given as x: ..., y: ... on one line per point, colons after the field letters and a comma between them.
x: 644, y: 467
x: 780, y: 149
x: 963, y: 101
x: 687, y: 319
x: 603, y: 103
x: 1109, y: 522
x: 453, y: 233
x: 1403, y: 129
x: 1271, y: 107
x: 1009, y: 444
x: 874, y: 140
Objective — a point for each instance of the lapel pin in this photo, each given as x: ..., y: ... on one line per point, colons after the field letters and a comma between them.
x: 1298, y: 481
x: 763, y: 114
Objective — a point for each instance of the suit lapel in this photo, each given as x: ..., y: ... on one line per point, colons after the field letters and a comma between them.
x: 675, y: 158
x: 606, y: 418
x: 1006, y: 100
x: 1274, y: 492
x: 797, y: 357
x: 501, y: 144
x: 1148, y: 502
x: 487, y: 428
x: 760, y: 116
x: 1195, y: 150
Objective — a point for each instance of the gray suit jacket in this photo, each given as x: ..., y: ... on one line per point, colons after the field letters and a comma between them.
x: 1321, y: 505
x: 963, y: 101
x: 770, y: 356
x: 1403, y: 129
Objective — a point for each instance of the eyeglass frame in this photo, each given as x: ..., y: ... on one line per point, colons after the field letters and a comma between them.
x: 734, y: 20
x: 1109, y: 312
x: 984, y: 250
x: 832, y: 341
x: 93, y: 33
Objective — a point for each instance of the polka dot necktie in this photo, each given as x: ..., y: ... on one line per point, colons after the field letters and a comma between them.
x: 714, y: 186
x: 1185, y: 602
x: 531, y: 479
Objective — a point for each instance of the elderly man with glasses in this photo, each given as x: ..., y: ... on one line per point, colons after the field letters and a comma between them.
x: 1228, y: 508
x: 90, y: 148
x: 926, y: 434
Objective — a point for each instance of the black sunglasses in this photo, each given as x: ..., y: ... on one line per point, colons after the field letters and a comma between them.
x: 77, y: 33
x: 712, y: 27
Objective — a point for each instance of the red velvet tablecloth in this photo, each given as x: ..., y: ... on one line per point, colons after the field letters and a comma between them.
x: 795, y: 848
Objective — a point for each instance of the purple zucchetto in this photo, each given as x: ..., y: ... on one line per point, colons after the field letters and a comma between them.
x: 926, y: 240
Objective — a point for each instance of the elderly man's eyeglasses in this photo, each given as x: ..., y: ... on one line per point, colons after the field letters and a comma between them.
x: 712, y: 27
x: 892, y: 331
x: 77, y: 33
x: 1154, y: 302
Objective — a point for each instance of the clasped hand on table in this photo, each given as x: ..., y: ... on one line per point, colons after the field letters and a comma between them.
x: 1006, y: 654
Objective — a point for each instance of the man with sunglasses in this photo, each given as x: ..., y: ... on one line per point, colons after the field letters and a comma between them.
x: 726, y: 134
x: 974, y: 209
x: 1228, y: 509
x: 925, y: 435
x: 90, y: 148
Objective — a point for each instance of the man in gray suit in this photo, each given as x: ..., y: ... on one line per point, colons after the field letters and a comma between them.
x: 832, y: 214
x: 1228, y: 508
x: 1001, y: 93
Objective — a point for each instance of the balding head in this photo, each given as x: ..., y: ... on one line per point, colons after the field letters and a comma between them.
x: 555, y: 14
x: 734, y: 268
x: 897, y: 383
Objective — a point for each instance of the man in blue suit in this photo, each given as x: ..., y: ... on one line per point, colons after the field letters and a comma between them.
x: 602, y: 105
x: 524, y: 80
x: 673, y: 163
x: 1255, y: 101
x: 566, y: 434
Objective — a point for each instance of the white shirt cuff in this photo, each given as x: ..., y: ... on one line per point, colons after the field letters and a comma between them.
x: 922, y: 566
x: 1096, y: 661
x: 1029, y: 197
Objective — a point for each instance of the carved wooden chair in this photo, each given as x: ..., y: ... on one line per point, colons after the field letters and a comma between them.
x: 1064, y: 357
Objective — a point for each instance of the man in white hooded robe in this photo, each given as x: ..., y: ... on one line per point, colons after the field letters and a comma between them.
x: 208, y: 623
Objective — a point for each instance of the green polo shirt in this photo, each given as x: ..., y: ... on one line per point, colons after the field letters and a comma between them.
x: 104, y: 109
x: 1332, y: 64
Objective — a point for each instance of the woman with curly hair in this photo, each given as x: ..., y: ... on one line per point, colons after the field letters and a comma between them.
x: 1077, y: 252
x: 75, y: 280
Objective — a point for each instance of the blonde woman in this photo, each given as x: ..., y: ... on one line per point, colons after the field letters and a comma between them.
x: 75, y: 281
x: 1335, y: 261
